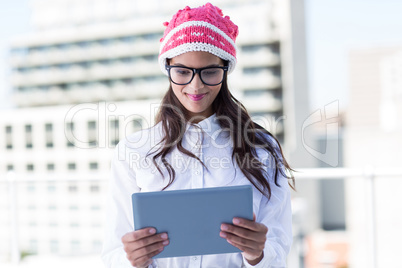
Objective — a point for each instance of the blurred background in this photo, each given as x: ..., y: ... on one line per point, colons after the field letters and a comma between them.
x: 324, y: 76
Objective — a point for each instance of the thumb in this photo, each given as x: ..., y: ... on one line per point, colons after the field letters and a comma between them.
x: 253, y: 216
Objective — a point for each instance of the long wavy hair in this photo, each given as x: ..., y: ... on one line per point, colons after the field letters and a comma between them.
x: 246, y: 137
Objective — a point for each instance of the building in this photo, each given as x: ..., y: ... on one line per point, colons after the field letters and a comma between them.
x: 60, y: 160
x: 372, y: 140
x: 108, y: 51
x: 87, y: 75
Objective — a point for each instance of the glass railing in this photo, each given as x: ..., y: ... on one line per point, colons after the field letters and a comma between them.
x: 59, y: 217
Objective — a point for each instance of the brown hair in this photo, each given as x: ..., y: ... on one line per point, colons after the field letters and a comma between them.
x: 246, y: 136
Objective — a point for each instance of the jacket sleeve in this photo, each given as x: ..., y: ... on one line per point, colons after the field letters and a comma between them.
x: 119, y: 216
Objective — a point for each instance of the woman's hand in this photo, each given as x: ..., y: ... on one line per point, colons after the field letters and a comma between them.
x: 142, y: 245
x: 248, y: 236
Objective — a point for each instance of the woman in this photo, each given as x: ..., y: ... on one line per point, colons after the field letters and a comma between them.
x: 203, y: 137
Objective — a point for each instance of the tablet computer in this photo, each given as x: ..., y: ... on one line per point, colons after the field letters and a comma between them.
x: 192, y: 218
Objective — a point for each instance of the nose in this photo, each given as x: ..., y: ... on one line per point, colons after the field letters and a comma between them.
x: 196, y: 83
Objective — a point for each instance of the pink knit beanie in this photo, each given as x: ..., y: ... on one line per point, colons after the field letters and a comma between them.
x: 199, y: 29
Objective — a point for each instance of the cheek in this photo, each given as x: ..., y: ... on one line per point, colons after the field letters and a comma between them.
x: 216, y: 89
x: 177, y: 89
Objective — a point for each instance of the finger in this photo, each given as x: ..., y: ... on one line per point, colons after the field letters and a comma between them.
x: 144, y: 242
x: 137, y: 235
x: 253, y: 216
x: 251, y: 225
x: 249, y: 243
x: 243, y: 232
x: 249, y: 251
x: 146, y: 251
x: 150, y: 240
x: 144, y: 260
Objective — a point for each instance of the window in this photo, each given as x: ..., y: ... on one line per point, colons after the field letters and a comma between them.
x: 50, y: 167
x: 92, y: 133
x: 254, y: 92
x: 54, y: 246
x: 114, y: 124
x: 93, y: 166
x: 51, y: 187
x: 137, y: 124
x: 106, y: 41
x: 96, y: 225
x: 82, y: 64
x: 72, y: 188
x: 75, y: 246
x: 64, y: 46
x: 28, y: 136
x: 94, y: 188
x: 44, y: 88
x: 69, y: 134
x: 106, y: 83
x: 64, y: 66
x: 114, y: 132
x: 127, y: 60
x: 128, y: 39
x: 83, y: 44
x: 9, y: 137
x: 84, y: 84
x: 150, y: 58
x: 70, y: 126
x: 30, y: 167
x: 70, y: 144
x: 97, y: 245
x: 151, y: 36
x: 128, y: 81
x: 49, y: 135
x: 251, y: 48
x: 71, y: 166
x: 92, y: 125
x: 74, y: 225
x: 252, y: 70
x: 31, y: 187
x: 33, y: 246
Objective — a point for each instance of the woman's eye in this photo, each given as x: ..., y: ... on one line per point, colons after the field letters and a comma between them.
x: 210, y: 72
x: 182, y: 72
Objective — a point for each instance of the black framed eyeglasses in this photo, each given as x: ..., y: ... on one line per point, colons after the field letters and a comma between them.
x: 210, y: 76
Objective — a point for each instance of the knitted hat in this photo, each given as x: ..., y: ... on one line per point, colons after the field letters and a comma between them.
x: 199, y: 29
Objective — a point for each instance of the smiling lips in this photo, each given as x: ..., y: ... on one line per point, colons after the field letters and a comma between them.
x: 195, y: 97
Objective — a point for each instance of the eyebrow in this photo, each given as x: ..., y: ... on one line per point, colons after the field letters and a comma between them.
x: 211, y: 65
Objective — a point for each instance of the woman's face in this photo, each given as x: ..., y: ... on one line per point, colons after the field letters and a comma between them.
x: 196, y: 97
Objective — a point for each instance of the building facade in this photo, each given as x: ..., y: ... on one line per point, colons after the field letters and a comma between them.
x: 57, y: 161
x: 373, y: 141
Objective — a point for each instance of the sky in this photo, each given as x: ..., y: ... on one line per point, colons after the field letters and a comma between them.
x: 14, y: 20
x: 333, y: 27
